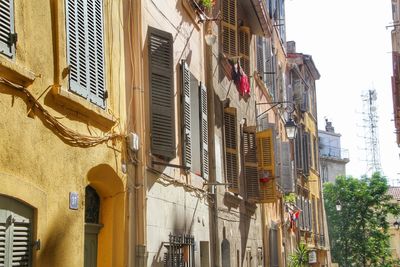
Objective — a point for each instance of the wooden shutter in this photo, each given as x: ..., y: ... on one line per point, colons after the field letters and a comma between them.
x: 244, y: 49
x: 77, y: 47
x: 162, y: 117
x: 260, y: 57
x: 229, y: 27
x: 7, y: 44
x: 15, y: 233
x: 204, y: 131
x: 187, y: 145
x: 287, y: 179
x: 250, y: 163
x: 95, y: 44
x: 231, y: 150
x: 266, y: 165
x: 278, y: 160
x: 306, y: 153
x: 85, y: 50
x: 273, y: 242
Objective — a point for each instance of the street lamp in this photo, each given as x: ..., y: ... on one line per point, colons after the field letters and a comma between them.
x: 396, y: 224
x: 291, y: 129
x: 290, y: 125
x: 338, y: 206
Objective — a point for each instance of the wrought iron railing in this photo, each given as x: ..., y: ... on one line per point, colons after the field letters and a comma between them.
x: 180, y: 251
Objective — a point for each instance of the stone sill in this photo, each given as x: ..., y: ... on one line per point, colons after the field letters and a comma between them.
x: 83, y: 106
x: 16, y: 73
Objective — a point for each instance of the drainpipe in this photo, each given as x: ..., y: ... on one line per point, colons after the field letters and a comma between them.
x: 213, y: 208
x: 137, y: 255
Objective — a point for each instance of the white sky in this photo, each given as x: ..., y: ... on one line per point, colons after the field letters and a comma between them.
x: 351, y: 48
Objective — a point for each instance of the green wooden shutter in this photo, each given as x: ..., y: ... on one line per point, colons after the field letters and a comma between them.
x: 7, y: 44
x: 77, y: 47
x: 96, y: 53
x: 162, y: 118
x: 85, y: 50
x: 250, y: 163
x: 187, y: 145
x: 204, y: 131
x: 231, y: 150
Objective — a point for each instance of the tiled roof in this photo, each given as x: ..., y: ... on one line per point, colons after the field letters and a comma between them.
x: 395, y: 192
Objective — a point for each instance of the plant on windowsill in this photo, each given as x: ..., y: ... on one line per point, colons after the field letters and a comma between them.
x: 203, y: 5
x: 290, y: 198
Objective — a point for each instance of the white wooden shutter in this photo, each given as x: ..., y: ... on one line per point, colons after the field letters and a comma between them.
x: 161, y: 75
x: 95, y: 44
x: 77, y: 47
x: 287, y: 179
x: 7, y: 44
x: 85, y: 49
x: 3, y: 241
x: 15, y: 233
x: 204, y: 131
x: 187, y: 145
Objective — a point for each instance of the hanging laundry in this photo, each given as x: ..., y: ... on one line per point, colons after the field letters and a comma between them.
x: 236, y: 73
x: 244, y: 86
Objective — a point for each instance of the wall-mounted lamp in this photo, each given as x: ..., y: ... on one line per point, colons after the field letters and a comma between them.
x: 396, y: 224
x: 291, y: 129
x: 290, y: 125
x: 338, y: 206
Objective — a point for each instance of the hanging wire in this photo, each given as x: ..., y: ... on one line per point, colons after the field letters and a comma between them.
x: 72, y: 137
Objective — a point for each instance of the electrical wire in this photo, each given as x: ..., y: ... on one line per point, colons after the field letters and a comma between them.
x: 68, y: 135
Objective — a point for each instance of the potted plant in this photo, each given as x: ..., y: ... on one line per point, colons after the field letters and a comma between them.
x: 205, y: 4
x: 300, y: 257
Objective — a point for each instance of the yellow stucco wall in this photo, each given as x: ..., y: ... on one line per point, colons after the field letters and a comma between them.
x: 38, y: 166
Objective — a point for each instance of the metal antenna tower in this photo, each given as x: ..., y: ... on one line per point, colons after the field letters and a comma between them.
x: 370, y: 125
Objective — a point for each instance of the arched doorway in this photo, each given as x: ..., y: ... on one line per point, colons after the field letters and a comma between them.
x: 92, y: 226
x: 16, y: 220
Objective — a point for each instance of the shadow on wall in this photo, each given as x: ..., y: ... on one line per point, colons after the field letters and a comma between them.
x: 225, y: 250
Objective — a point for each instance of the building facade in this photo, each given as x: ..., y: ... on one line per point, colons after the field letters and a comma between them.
x: 333, y: 158
x: 396, y: 67
x: 63, y: 187
x: 153, y: 133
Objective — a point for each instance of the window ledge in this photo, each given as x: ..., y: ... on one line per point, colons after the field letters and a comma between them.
x: 232, y: 199
x: 83, y: 106
x: 16, y: 73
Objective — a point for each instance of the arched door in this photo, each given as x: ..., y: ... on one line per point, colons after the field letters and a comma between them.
x: 15, y: 233
x: 92, y: 226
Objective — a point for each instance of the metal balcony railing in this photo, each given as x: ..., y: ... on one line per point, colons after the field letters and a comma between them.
x: 334, y: 152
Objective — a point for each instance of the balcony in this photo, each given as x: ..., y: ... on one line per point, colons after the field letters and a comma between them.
x: 334, y: 153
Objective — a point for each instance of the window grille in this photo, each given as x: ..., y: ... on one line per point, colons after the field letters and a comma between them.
x: 180, y: 251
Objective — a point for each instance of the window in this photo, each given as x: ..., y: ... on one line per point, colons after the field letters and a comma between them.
x: 231, y: 149
x: 85, y: 50
x: 15, y: 233
x: 229, y: 27
x: 180, y: 251
x: 266, y: 165
x: 195, y: 126
x: 266, y: 63
x: 161, y: 86
x: 8, y: 37
x: 244, y: 48
x: 250, y: 163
